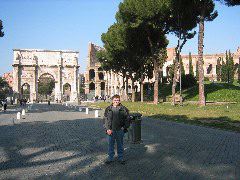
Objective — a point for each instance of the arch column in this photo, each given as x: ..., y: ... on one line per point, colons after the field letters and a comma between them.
x: 17, y: 81
x: 106, y: 84
x: 115, y: 84
x: 58, y: 84
x: 86, y: 76
x: 74, y: 86
x: 112, y: 80
x: 86, y: 88
x: 97, y: 89
x: 33, y: 85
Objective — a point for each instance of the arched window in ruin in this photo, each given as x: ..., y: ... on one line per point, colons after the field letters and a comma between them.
x: 167, y: 71
x: 91, y: 74
x: 236, y: 68
x: 91, y: 86
x: 25, y: 91
x: 135, y: 88
x: 102, y: 85
x: 209, y: 69
x: 118, y: 90
x: 100, y: 76
x: 129, y: 89
x: 100, y: 69
x: 67, y: 91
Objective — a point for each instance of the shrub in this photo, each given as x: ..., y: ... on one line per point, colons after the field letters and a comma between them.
x: 206, y: 78
x: 188, y: 81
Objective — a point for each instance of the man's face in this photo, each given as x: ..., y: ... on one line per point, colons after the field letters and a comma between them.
x: 116, y: 101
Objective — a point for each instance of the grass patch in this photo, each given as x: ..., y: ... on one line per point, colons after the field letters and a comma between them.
x: 218, y: 116
x: 217, y: 92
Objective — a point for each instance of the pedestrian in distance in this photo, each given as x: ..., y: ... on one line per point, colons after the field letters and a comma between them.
x: 116, y: 122
x: 4, y: 103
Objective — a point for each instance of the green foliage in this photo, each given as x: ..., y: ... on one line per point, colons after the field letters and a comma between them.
x: 206, y: 78
x: 1, y: 28
x: 124, y: 50
x: 206, y: 10
x: 231, y: 68
x: 190, y: 65
x: 181, y: 22
x: 218, y: 92
x: 188, y: 80
x: 46, y: 88
x: 228, y: 69
x: 238, y: 72
x: 218, y: 69
x: 82, y: 90
x: 4, y: 88
x: 224, y: 76
x: 66, y: 87
x: 182, y: 67
x: 104, y: 60
x: 230, y: 2
x: 26, y: 91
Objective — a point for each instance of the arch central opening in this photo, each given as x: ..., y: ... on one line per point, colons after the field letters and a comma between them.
x: 46, y: 86
x: 66, y: 92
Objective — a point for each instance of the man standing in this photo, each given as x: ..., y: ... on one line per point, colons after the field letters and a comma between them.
x: 116, y: 122
x: 4, y: 103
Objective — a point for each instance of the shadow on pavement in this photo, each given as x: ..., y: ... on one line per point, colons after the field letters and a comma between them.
x: 77, y: 148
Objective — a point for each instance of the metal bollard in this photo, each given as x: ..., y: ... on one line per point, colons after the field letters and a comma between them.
x: 86, y: 110
x: 96, y: 113
x: 23, y: 113
x: 18, y: 115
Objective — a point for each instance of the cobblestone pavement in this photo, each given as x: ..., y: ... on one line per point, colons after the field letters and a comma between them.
x: 57, y: 142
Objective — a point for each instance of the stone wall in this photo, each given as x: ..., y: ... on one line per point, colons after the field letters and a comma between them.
x: 114, y: 82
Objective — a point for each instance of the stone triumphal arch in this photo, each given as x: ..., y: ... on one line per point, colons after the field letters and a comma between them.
x: 29, y: 65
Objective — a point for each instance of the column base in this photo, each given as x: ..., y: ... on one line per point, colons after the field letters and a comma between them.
x: 74, y: 97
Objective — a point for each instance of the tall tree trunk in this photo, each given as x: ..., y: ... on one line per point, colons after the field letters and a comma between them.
x: 174, y: 84
x: 133, y: 91
x: 160, y: 76
x: 123, y: 89
x: 155, y: 64
x: 141, y: 88
x: 156, y: 75
x: 126, y: 88
x: 176, y: 65
x: 202, y: 100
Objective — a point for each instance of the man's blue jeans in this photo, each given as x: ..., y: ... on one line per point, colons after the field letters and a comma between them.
x: 118, y: 137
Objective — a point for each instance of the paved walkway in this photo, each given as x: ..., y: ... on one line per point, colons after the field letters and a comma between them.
x: 62, y: 143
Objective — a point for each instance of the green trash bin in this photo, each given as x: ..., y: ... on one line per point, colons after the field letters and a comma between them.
x: 134, y: 134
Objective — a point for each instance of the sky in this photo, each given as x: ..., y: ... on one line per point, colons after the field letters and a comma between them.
x: 72, y: 24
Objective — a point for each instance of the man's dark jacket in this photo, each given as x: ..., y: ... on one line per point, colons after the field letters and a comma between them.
x: 123, y: 117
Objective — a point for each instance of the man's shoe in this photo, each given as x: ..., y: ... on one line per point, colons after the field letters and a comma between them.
x: 122, y: 162
x: 108, y: 161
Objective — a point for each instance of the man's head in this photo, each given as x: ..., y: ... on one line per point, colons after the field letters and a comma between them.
x: 116, y: 100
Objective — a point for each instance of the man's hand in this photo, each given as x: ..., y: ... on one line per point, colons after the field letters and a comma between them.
x: 109, y: 132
